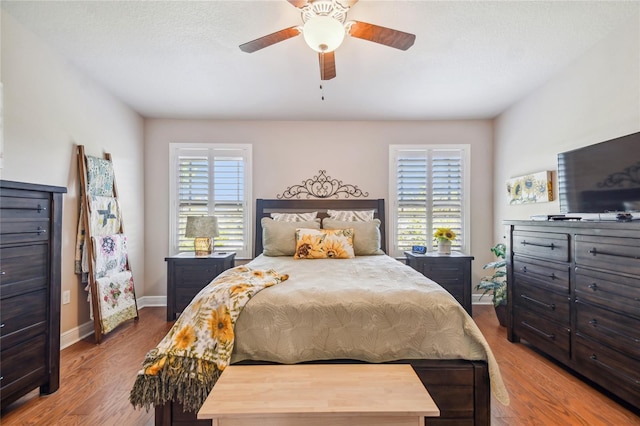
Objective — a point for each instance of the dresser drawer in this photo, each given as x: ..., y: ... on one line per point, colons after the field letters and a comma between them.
x: 23, y: 366
x: 615, y: 292
x: 546, y: 303
x: 617, y: 331
x: 23, y: 231
x: 542, y: 274
x: 545, y: 245
x: 611, y: 253
x: 546, y: 335
x: 19, y: 312
x: 609, y: 368
x: 23, y: 207
x: 24, y: 269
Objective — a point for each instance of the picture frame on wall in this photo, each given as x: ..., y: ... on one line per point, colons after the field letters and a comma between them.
x: 530, y: 188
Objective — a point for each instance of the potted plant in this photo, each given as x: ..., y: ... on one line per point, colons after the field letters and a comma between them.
x: 444, y: 236
x: 496, y: 284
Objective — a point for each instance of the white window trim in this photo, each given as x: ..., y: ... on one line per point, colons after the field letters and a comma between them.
x: 392, y: 229
x: 174, y: 148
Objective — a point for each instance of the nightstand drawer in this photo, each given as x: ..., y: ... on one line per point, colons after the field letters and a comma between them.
x: 197, y: 276
x: 187, y: 274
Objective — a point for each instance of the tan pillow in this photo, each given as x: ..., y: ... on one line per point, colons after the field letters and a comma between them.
x: 324, y: 244
x: 366, y: 235
x: 279, y: 238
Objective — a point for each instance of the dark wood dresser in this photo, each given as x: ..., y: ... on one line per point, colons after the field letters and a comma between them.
x: 574, y: 294
x: 30, y: 264
x: 187, y: 274
x: 451, y: 271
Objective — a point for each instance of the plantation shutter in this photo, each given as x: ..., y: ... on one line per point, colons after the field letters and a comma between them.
x: 429, y: 195
x: 213, y: 181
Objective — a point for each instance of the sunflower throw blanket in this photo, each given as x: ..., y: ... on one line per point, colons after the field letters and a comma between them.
x: 188, y: 361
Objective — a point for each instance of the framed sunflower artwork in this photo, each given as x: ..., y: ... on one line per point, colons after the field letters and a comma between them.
x: 531, y: 188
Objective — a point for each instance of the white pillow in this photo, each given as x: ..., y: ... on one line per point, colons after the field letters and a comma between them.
x: 351, y: 215
x: 294, y: 217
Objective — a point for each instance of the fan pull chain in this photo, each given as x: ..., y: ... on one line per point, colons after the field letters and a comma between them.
x: 321, y: 92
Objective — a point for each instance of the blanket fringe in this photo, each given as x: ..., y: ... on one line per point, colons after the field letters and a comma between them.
x: 186, y: 380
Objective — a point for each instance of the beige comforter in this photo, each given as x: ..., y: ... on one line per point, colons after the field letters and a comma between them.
x: 371, y: 308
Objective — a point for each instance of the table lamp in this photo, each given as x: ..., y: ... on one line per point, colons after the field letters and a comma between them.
x: 203, y: 229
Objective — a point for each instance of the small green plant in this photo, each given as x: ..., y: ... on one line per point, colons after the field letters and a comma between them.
x: 496, y: 284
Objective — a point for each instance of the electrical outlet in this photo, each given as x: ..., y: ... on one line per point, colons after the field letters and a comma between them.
x: 66, y: 297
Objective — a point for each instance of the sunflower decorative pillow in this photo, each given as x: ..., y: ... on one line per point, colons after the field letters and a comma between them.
x: 324, y: 244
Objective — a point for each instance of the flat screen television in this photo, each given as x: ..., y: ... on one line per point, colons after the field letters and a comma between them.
x: 601, y: 178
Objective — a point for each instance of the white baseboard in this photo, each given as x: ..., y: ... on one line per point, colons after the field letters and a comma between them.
x: 74, y: 335
x: 152, y: 301
x: 476, y: 300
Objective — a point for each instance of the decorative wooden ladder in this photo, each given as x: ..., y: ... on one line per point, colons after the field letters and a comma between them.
x: 88, y: 246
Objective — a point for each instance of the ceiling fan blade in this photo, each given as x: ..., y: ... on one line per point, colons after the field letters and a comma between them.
x: 268, y: 40
x: 298, y: 3
x: 382, y: 35
x: 327, y: 65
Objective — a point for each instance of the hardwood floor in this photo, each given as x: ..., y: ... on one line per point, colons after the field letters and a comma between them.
x: 96, y: 380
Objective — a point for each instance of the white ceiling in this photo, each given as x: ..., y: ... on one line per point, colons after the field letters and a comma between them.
x: 180, y: 59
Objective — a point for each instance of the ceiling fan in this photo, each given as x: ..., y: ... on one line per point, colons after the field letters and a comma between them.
x: 324, y: 27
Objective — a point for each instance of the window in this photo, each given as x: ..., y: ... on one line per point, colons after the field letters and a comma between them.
x: 212, y: 179
x: 428, y: 189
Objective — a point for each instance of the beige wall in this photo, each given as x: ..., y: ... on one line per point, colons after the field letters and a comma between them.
x: 595, y: 99
x: 49, y: 107
x: 285, y: 153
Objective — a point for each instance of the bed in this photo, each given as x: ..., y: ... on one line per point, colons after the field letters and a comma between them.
x: 327, y: 312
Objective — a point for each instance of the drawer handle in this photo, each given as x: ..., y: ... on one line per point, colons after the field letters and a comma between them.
x: 594, y: 251
x: 2, y: 272
x: 526, y: 271
x: 537, y: 330
x: 2, y: 325
x: 594, y: 323
x: 593, y: 286
x: 41, y: 230
x: 546, y: 305
x: 526, y: 243
x: 40, y: 208
x: 617, y: 372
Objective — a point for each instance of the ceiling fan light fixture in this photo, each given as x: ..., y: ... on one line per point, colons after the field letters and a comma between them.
x: 323, y: 33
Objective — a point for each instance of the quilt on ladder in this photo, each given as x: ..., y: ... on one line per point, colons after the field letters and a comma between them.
x: 116, y: 299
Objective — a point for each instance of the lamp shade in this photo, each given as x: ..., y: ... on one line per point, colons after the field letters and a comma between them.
x: 202, y: 226
x: 323, y: 33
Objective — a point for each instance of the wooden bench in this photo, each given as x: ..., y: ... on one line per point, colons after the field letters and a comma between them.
x: 319, y: 394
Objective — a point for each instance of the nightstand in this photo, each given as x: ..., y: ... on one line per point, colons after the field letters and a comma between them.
x: 451, y: 271
x: 188, y: 274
